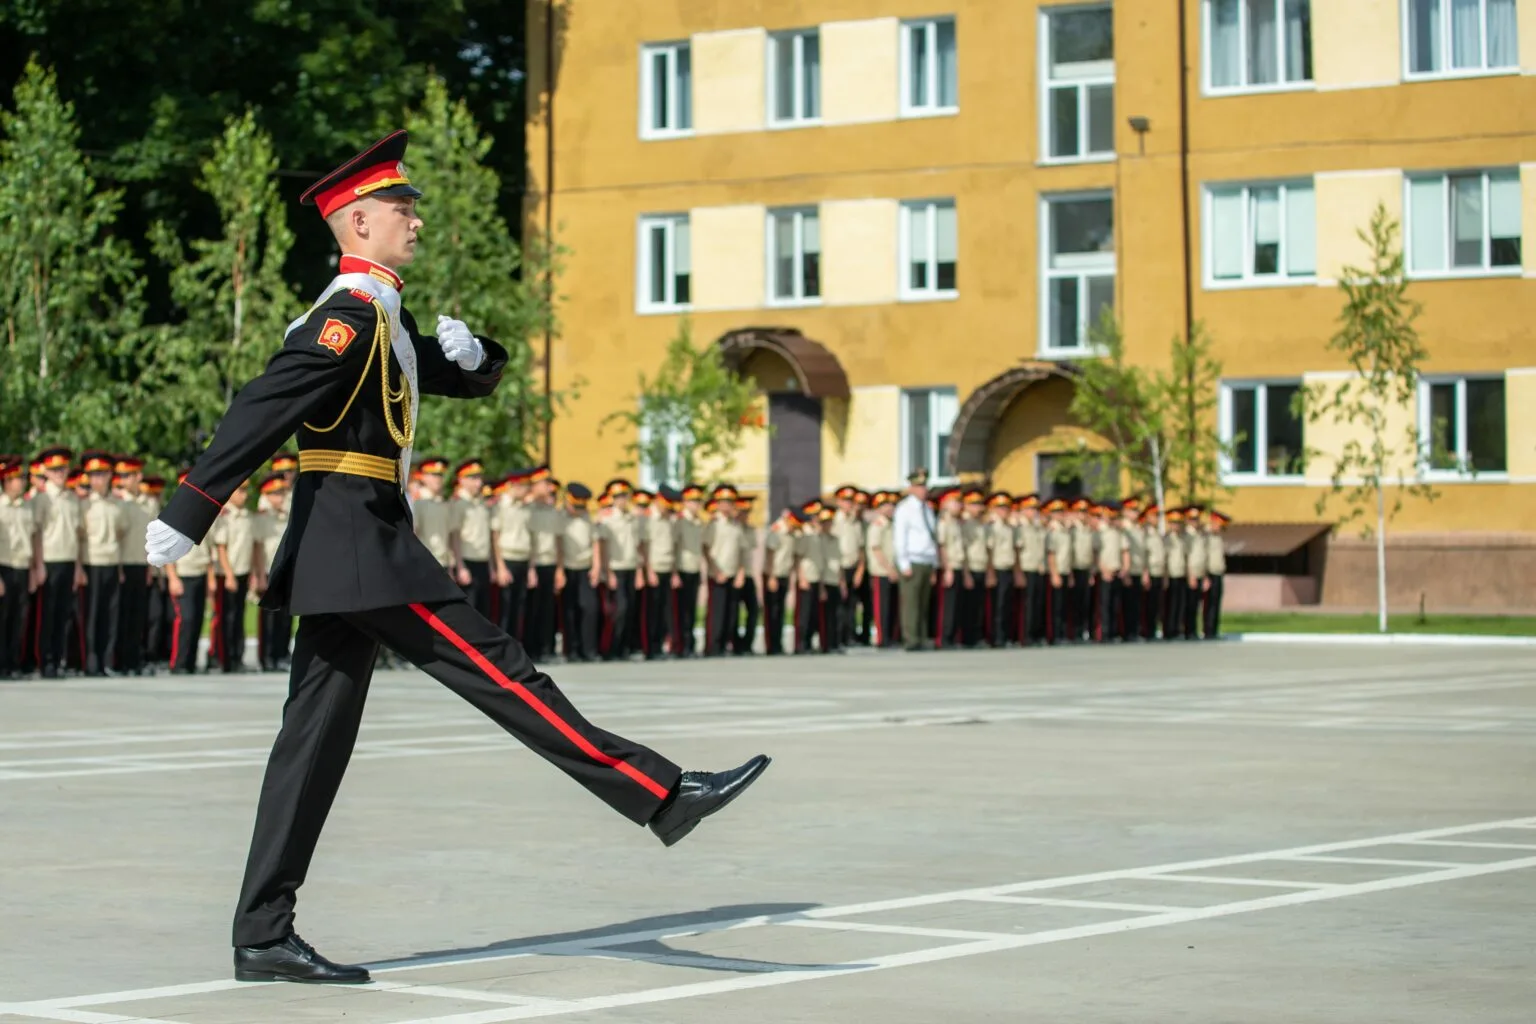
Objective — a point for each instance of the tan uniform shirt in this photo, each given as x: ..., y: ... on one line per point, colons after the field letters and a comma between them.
x: 690, y: 545
x: 1058, y: 540
x: 978, y: 544
x: 546, y: 524
x: 1157, y: 553
x: 620, y: 534
x: 1031, y: 546
x: 831, y: 558
x: 1195, y: 554
x: 197, y: 561
x: 58, y: 513
x: 1000, y: 537
x: 473, y: 519
x: 880, y: 549
x: 849, y: 532
x: 239, y: 539
x: 780, y: 545
x: 269, y: 528
x: 1178, y: 555
x: 104, y: 527
x: 951, y: 543
x: 749, y: 549
x: 661, y: 545
x: 1111, y: 550
x: 723, y: 539
x: 811, y: 555
x: 1084, y: 543
x: 138, y: 512
x: 18, y: 525
x: 434, y: 521
x: 576, y: 539
x: 1136, y: 544
x: 1215, y: 554
x: 513, y: 538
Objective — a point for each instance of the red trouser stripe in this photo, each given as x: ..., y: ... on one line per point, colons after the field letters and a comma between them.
x: 544, y: 710
x: 879, y: 622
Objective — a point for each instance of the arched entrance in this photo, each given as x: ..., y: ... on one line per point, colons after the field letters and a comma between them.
x: 798, y: 375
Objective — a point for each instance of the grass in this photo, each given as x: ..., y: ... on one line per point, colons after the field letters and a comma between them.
x: 1402, y: 622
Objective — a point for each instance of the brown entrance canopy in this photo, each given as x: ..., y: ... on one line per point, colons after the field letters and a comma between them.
x: 819, y: 373
x: 973, y: 427
x: 1271, y: 540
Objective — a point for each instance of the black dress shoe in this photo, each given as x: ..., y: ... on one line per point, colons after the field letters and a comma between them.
x: 700, y: 794
x: 293, y: 959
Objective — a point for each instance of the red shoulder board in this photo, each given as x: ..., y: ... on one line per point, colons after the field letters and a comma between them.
x: 336, y: 335
x: 365, y: 296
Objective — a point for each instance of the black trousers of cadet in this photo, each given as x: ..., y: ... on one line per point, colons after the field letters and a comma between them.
x: 158, y: 629
x: 514, y: 600
x: 582, y: 615
x: 808, y: 617
x: 830, y: 614
x: 1062, y: 599
x: 720, y: 623
x: 660, y: 605
x: 616, y: 634
x: 1032, y: 607
x: 1192, y: 605
x: 946, y: 616
x: 132, y: 618
x: 688, y: 612
x: 1152, y: 613
x: 1082, y: 609
x: 55, y: 612
x: 478, y: 590
x: 273, y: 638
x: 539, y: 628
x: 865, y: 593
x: 775, y: 596
x: 231, y: 624
x: 847, y: 629
x: 883, y: 611
x: 13, y: 618
x: 1002, y: 596
x: 1107, y: 600
x: 972, y: 608
x: 749, y: 610
x: 1213, y: 608
x: 1132, y: 597
x: 99, y: 622
x: 187, y: 623
x: 1174, y: 618
x: 333, y: 661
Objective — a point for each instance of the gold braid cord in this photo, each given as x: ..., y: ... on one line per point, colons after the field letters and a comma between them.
x: 403, y: 434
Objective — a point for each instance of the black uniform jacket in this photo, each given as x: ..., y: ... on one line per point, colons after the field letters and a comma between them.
x: 350, y: 545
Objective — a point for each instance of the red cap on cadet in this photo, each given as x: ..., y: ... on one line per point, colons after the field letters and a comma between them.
x: 469, y: 467
x: 376, y: 171
x: 284, y: 462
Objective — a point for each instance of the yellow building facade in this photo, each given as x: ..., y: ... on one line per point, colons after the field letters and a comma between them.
x: 899, y: 218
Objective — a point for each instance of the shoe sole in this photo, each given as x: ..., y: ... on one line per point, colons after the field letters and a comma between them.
x: 273, y: 976
x: 676, y: 835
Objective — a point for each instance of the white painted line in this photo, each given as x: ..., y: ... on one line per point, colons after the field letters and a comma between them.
x: 1046, y: 901
x: 1376, y: 639
x: 79, y: 1016
x: 1224, y: 880
x: 1479, y: 845
x: 839, y: 925
x: 1320, y: 858
x: 135, y: 995
x: 464, y: 994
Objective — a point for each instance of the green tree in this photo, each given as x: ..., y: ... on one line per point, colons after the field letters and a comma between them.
x: 468, y: 266
x: 70, y: 295
x: 229, y: 290
x: 1378, y: 338
x: 692, y: 413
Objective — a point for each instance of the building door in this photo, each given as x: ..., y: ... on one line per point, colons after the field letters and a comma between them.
x: 1099, y: 482
x: 794, y: 450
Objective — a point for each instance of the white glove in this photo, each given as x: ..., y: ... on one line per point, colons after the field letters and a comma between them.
x: 164, y: 544
x: 459, y: 345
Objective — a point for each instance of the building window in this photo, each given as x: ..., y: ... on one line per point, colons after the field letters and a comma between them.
x: 1255, y: 44
x: 1262, y: 431
x: 928, y: 67
x: 1079, y: 261
x: 928, y: 249
x: 927, y: 415
x: 1462, y: 426
x: 1464, y: 223
x: 794, y: 255
x: 794, y: 77
x: 1260, y: 233
x: 1079, y: 87
x: 665, y: 263
x: 664, y: 442
x: 1457, y: 37
x: 666, y: 90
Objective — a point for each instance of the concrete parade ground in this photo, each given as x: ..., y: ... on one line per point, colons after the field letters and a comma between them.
x: 1189, y: 833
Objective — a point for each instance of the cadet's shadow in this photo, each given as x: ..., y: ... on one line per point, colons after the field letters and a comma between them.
x: 635, y: 940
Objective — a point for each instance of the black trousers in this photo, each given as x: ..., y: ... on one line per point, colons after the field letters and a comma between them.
x: 775, y: 597
x: 808, y: 617
x: 1107, y: 619
x: 133, y: 618
x: 616, y: 625
x: 747, y: 602
x: 1176, y: 617
x: 688, y: 611
x: 273, y: 638
x: 660, y: 607
x: 99, y: 622
x: 1132, y: 599
x: 720, y: 625
x: 1192, y: 606
x: 848, y: 630
x: 1003, y: 617
x: 581, y: 615
x: 539, y: 621
x: 187, y: 623
x: 1152, y: 617
x: 161, y: 616
x: 56, y: 611
x: 514, y: 599
x: 1062, y: 600
x: 1213, y: 608
x: 13, y: 618
x: 864, y: 595
x: 1032, y: 608
x: 946, y: 615
x: 1082, y: 608
x: 830, y: 614
x: 973, y: 609
x: 883, y: 611
x: 332, y: 665
x: 478, y: 591
x: 231, y: 623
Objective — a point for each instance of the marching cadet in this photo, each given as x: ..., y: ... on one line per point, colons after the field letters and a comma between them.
x: 1114, y: 563
x: 432, y: 515
x: 1197, y: 558
x: 546, y: 524
x: 974, y: 609
x: 880, y: 563
x: 722, y: 557
x: 240, y: 561
x: 188, y: 581
x: 60, y: 567
x: 102, y: 530
x: 471, y: 533
x: 1058, y: 553
x: 159, y: 614
x: 581, y: 552
x: 747, y: 594
x: 1003, y: 578
x: 690, y: 567
x: 952, y: 573
x: 19, y: 543
x: 848, y: 528
x: 810, y: 575
x: 1133, y: 587
x: 138, y: 511
x: 1216, y: 572
x: 1156, y: 597
x: 1178, y: 576
x: 778, y: 577
x: 1084, y: 561
x: 1031, y: 536
x: 274, y: 626
x: 511, y: 549
x: 834, y: 588
x: 661, y: 579
x: 618, y: 532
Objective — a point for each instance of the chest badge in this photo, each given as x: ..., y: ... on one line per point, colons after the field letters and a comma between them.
x: 336, y: 336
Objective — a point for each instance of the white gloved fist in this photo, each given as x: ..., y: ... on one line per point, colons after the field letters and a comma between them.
x: 165, y: 545
x: 459, y: 344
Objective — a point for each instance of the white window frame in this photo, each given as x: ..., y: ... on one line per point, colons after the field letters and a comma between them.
x: 1048, y: 274
x: 643, y: 301
x: 799, y: 213
x: 677, y: 442
x: 1446, y: 71
x: 1458, y: 429
x: 1228, y: 435
x: 935, y: 467
x: 932, y: 108
x: 904, y: 249
x: 1211, y: 89
x: 1448, y: 271
x: 1249, y: 279
x: 796, y: 38
x: 1083, y: 84
x: 648, y: 87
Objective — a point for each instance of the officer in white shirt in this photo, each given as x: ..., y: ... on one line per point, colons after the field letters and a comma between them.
x: 915, y: 533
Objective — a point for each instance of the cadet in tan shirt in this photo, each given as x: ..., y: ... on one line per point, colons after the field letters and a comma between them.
x: 952, y: 575
x: 778, y: 578
x: 659, y: 556
x: 1058, y: 550
x: 101, y: 543
x: 1134, y: 588
x: 1113, y: 563
x: 512, y: 550
x: 748, y: 595
x: 722, y: 557
x: 19, y: 549
x: 138, y: 510
x: 1084, y: 563
x: 848, y: 529
x: 619, y: 534
x: 1178, y: 576
x: 58, y: 517
x: 1002, y: 576
x: 274, y: 627
x: 239, y: 555
x: 690, y: 565
x: 1196, y: 556
x: 432, y: 515
x: 470, y: 535
x: 1157, y: 573
x: 810, y: 576
x: 1216, y: 572
x: 1030, y: 534
x: 546, y: 523
x: 880, y: 567
x: 580, y: 556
